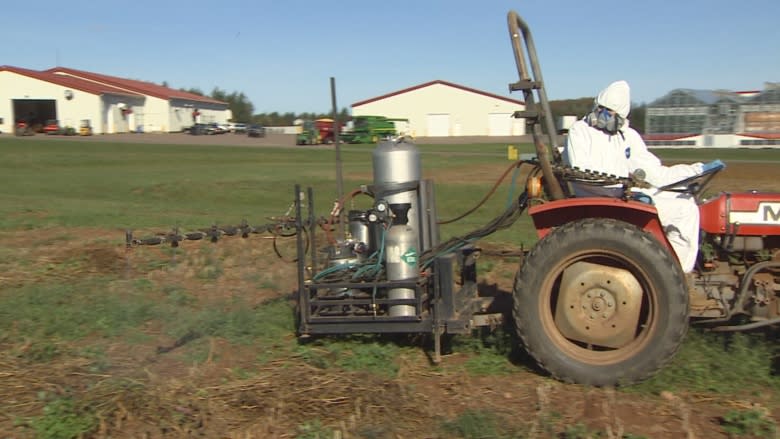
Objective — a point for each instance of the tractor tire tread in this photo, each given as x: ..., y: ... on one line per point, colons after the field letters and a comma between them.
x: 667, y: 344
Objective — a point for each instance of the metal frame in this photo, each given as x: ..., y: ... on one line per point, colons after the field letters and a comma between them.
x: 439, y: 309
x: 521, y: 38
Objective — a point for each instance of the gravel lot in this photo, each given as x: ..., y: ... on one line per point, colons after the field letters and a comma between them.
x: 270, y: 139
x: 176, y: 138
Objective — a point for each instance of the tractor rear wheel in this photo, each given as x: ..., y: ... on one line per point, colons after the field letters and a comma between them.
x: 600, y: 302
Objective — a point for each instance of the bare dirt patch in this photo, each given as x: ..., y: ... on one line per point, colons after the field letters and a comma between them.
x: 230, y: 391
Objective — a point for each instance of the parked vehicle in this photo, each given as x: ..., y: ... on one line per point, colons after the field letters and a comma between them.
x: 52, y: 126
x: 85, y: 128
x: 316, y: 132
x: 371, y: 129
x: 238, y: 128
x: 199, y: 129
x: 22, y: 128
x: 215, y: 128
x: 308, y: 134
x: 255, y: 131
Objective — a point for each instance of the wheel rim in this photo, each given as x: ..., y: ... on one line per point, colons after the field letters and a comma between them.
x: 647, y: 318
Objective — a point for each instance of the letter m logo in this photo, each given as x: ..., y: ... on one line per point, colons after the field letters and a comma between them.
x: 771, y: 215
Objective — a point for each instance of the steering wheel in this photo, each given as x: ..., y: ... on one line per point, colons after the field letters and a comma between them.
x: 695, y: 184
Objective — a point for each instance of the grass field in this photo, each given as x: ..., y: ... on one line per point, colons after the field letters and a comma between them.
x: 79, y: 184
x: 199, y: 340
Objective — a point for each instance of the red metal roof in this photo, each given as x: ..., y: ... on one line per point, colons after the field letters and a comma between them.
x: 70, y: 82
x: 665, y: 137
x: 142, y: 87
x: 765, y: 135
x: 438, y: 81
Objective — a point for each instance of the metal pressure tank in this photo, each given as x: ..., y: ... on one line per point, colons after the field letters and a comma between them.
x: 401, y: 254
x: 397, y: 173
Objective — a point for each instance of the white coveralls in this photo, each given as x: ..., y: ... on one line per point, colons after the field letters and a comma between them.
x: 624, y: 152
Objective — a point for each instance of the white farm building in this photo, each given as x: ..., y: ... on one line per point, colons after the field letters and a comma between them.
x: 443, y: 109
x: 108, y: 104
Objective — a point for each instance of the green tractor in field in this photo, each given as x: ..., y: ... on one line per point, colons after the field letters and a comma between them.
x: 371, y: 129
x: 308, y: 134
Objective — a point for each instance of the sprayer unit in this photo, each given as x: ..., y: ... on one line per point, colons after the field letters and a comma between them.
x: 388, y: 274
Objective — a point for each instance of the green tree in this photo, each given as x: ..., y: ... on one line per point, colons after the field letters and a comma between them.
x: 193, y: 90
x: 286, y: 119
x: 582, y: 106
x: 571, y: 107
x: 637, y: 117
x: 238, y: 104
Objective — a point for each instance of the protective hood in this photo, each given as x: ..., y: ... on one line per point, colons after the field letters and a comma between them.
x: 616, y: 97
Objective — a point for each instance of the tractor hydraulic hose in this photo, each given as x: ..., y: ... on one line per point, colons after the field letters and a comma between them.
x: 506, y: 219
x: 487, y: 196
x: 748, y: 326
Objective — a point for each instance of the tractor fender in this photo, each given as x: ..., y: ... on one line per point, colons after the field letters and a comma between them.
x: 556, y: 213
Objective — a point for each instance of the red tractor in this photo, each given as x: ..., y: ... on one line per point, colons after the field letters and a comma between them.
x: 600, y: 299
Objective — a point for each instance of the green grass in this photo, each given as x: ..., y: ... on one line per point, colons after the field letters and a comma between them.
x: 478, y: 424
x: 358, y: 353
x: 44, y: 183
x: 62, y: 419
x: 54, y: 311
x: 717, y: 363
x: 90, y: 184
x: 751, y: 422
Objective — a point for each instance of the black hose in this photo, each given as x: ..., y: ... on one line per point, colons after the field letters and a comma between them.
x: 748, y: 326
x: 486, y: 197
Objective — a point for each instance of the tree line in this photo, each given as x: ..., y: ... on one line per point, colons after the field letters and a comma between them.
x: 243, y: 110
x: 582, y: 106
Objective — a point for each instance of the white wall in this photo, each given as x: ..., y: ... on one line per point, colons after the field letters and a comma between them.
x: 154, y: 115
x: 83, y: 105
x: 469, y: 113
x: 712, y: 141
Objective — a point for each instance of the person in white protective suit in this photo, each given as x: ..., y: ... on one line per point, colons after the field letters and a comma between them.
x: 603, y: 141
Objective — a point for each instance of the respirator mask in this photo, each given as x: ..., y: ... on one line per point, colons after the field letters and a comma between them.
x: 605, y: 120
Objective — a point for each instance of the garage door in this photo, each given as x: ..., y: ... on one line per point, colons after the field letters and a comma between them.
x: 438, y: 125
x: 500, y: 124
x: 35, y: 112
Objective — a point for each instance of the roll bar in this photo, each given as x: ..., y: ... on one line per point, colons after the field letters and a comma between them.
x: 518, y: 30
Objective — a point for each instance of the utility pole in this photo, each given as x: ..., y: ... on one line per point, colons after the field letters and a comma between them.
x: 339, y: 178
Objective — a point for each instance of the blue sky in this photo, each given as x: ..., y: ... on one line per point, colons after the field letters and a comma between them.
x: 281, y: 54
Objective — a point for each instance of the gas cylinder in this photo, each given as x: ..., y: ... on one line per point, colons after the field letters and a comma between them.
x: 401, y: 258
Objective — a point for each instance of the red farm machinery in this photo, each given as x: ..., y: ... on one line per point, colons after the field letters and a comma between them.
x: 316, y: 132
x: 600, y: 299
